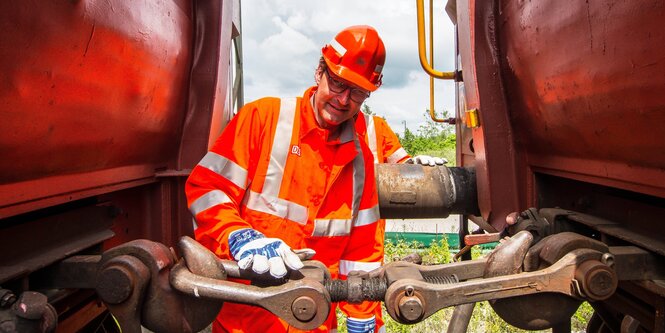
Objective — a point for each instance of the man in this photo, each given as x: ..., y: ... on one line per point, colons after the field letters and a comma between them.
x: 292, y: 173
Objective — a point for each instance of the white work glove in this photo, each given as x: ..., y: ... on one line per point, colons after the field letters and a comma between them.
x: 355, y: 325
x: 251, y: 248
x: 427, y: 160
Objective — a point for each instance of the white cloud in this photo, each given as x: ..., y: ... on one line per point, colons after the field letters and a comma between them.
x: 282, y: 40
x: 286, y: 43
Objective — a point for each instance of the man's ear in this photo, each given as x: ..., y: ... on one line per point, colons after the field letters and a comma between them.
x: 317, y: 75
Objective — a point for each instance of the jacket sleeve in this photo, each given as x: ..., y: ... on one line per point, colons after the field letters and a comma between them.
x: 216, y: 185
x: 364, y: 251
x: 388, y: 143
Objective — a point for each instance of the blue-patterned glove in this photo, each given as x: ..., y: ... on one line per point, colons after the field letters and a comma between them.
x: 355, y: 325
x: 251, y: 248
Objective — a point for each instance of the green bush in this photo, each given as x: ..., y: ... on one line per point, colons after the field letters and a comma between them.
x: 435, y: 139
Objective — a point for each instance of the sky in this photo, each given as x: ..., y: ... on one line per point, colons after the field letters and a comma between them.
x: 282, y: 42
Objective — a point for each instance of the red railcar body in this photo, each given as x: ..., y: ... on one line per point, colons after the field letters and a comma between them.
x: 105, y: 106
x: 569, y: 97
x: 568, y: 91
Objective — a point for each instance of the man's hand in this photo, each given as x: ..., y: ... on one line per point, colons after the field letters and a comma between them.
x: 427, y: 160
x: 355, y: 325
x: 251, y: 248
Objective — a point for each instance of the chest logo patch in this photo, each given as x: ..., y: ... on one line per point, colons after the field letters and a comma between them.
x: 295, y: 150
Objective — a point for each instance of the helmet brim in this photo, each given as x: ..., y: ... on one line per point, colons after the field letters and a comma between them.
x: 350, y: 76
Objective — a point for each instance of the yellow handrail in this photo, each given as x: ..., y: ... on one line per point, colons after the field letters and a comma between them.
x: 428, y: 66
x: 421, y: 44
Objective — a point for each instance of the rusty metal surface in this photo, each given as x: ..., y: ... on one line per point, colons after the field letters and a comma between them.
x: 573, y: 90
x: 556, y: 309
x: 482, y: 238
x: 270, y: 298
x: 529, y: 220
x: 85, y: 314
x: 29, y: 313
x: 133, y: 280
x: 416, y: 191
x: 459, y: 321
x: 534, y: 308
x: 562, y: 92
x: 584, y: 87
x: 77, y: 272
x: 96, y: 99
x: 554, y: 247
x: 85, y: 83
x: 614, y: 229
x: 201, y: 276
x: 501, y: 174
x: 634, y: 301
x: 508, y: 257
x: 556, y: 278
x: 209, y: 104
x: 27, y: 247
x: 597, y: 280
x: 411, y: 292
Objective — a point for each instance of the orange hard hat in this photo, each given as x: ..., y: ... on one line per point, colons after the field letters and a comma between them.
x: 357, y: 55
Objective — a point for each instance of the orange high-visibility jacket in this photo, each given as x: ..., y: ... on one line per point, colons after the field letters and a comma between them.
x: 382, y: 141
x: 273, y: 169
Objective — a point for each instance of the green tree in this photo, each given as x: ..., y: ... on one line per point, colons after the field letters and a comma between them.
x: 436, y: 139
x: 367, y: 110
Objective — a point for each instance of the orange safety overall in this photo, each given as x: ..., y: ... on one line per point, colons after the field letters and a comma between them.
x: 382, y: 141
x: 273, y: 169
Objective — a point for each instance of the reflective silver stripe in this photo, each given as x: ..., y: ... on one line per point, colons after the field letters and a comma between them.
x: 194, y: 224
x: 348, y: 131
x: 338, y: 47
x: 346, y: 266
x: 358, y: 180
x: 371, y: 136
x: 281, y: 143
x: 331, y: 227
x: 382, y: 329
x: 363, y: 320
x: 208, y: 200
x: 276, y: 206
x: 367, y: 216
x: 268, y: 201
x: 397, y: 155
x: 225, y: 168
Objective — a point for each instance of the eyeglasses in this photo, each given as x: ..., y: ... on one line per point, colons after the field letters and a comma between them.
x: 357, y: 95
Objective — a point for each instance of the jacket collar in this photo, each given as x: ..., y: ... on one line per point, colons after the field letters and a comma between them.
x: 308, y: 120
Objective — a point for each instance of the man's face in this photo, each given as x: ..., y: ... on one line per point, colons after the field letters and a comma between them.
x: 336, y: 99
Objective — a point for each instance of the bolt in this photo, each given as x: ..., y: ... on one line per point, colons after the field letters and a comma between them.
x: 598, y: 281
x: 31, y: 305
x: 7, y: 298
x: 115, y: 284
x: 410, y: 308
x: 303, y: 308
x: 608, y: 259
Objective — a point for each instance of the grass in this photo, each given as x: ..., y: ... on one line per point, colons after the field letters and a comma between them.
x: 484, y: 319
